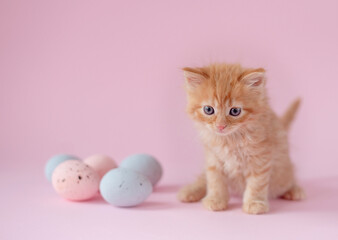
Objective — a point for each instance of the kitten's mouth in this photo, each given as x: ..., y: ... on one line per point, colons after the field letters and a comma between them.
x: 222, y: 132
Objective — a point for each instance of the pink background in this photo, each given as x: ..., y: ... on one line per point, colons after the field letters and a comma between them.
x: 88, y: 77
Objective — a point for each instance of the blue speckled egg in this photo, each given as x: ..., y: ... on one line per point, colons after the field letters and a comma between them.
x: 125, y: 188
x: 54, y: 161
x: 144, y: 164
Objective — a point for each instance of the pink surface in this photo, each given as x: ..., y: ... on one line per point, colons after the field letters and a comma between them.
x: 104, y: 76
x: 36, y: 212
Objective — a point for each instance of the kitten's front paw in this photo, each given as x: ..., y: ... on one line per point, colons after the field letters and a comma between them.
x: 256, y: 207
x: 296, y: 193
x: 215, y: 203
x: 190, y: 193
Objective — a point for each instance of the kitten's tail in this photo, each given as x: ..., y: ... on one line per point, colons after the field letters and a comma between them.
x: 290, y: 113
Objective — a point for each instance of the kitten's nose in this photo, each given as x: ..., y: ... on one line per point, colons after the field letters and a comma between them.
x: 221, y: 127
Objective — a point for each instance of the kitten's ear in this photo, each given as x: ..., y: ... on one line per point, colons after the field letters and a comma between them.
x: 254, y: 78
x: 194, y: 77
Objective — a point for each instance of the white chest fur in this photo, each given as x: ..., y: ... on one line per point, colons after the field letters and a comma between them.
x: 234, y: 166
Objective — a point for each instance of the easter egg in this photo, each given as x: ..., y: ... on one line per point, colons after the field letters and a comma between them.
x: 144, y: 164
x: 100, y: 163
x: 54, y: 161
x: 75, y: 180
x: 125, y: 188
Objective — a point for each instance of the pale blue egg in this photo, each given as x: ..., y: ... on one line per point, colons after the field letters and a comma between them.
x: 54, y: 161
x: 144, y: 164
x: 125, y: 188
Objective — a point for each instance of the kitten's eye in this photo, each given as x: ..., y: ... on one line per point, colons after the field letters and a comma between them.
x: 235, y: 111
x: 208, y: 110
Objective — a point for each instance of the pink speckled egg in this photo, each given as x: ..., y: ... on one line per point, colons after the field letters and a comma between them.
x: 100, y: 163
x: 75, y: 180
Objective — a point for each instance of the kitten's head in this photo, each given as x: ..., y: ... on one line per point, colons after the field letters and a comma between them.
x: 223, y: 98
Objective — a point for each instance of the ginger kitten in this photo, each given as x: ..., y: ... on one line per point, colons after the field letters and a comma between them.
x: 246, y: 146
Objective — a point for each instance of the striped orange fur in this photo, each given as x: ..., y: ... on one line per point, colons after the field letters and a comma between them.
x: 246, y: 154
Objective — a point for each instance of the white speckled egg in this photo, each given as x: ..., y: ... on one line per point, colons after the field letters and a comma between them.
x: 125, y: 188
x: 75, y: 180
x: 100, y: 163
x: 144, y: 164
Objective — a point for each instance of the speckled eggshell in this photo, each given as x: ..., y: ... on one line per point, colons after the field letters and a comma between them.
x: 125, y: 188
x: 100, y: 163
x: 144, y: 164
x: 75, y: 180
x: 54, y: 161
